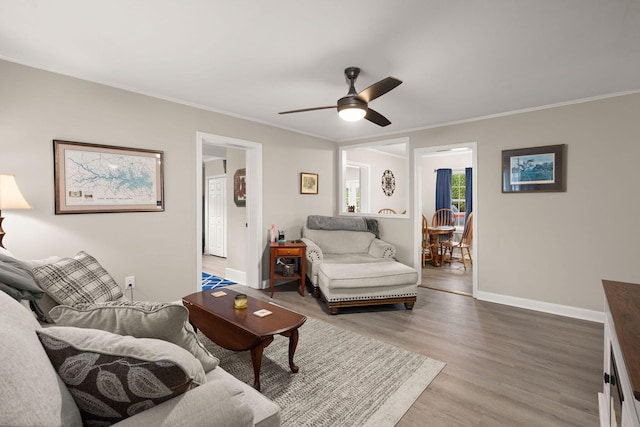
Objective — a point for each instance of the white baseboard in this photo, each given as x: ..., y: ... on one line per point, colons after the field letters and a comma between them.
x: 603, y: 410
x: 236, y: 275
x: 546, y: 307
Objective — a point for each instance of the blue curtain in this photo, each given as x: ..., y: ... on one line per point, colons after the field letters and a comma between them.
x: 468, y: 193
x: 443, y: 188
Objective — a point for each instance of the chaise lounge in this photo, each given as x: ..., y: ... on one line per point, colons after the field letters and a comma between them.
x: 349, y: 266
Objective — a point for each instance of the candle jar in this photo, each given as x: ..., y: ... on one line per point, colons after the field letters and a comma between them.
x: 240, y: 301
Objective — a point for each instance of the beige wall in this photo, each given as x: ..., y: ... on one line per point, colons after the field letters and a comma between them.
x: 158, y: 248
x: 236, y: 215
x: 213, y: 167
x: 551, y: 248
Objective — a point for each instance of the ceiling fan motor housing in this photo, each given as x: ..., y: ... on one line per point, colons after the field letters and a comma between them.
x: 351, y: 102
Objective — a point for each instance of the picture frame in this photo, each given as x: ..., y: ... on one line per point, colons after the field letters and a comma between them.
x: 535, y: 169
x: 95, y: 178
x: 240, y: 187
x: 308, y: 183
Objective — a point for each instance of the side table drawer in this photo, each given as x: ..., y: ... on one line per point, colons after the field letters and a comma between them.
x: 288, y: 252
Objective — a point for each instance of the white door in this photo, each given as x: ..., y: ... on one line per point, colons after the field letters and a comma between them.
x: 216, y: 216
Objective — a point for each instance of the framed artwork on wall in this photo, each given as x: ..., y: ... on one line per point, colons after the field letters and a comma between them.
x: 536, y: 169
x: 93, y: 178
x: 240, y: 187
x: 388, y: 183
x: 308, y: 183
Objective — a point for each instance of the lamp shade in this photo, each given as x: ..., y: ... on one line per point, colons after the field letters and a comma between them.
x: 10, y: 195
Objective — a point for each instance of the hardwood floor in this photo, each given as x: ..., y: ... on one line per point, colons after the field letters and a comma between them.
x: 505, y: 366
x: 214, y: 265
x: 450, y: 277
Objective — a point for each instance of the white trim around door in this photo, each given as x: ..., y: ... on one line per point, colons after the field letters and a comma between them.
x: 253, y: 273
x: 418, y: 153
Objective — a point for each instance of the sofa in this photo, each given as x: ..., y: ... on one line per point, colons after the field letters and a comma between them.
x: 57, y: 374
x: 348, y: 265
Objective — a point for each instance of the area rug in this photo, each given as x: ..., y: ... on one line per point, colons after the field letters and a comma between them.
x: 210, y: 281
x: 345, y: 379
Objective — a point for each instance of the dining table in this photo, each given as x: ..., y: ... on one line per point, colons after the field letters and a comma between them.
x: 434, y: 238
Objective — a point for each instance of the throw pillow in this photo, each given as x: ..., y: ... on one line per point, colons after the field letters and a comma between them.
x: 76, y: 280
x: 16, y: 279
x: 112, y: 377
x: 6, y: 252
x: 140, y: 319
x: 41, y: 307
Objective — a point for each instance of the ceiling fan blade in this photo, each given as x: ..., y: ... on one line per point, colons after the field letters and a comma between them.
x: 379, y: 89
x: 308, y: 109
x: 374, y: 117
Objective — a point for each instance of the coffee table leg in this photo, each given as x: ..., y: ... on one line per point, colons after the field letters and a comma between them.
x: 293, y: 343
x: 256, y: 359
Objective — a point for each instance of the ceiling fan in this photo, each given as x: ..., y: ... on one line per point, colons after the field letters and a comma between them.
x: 354, y: 106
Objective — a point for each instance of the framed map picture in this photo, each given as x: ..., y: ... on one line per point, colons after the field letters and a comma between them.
x: 91, y: 178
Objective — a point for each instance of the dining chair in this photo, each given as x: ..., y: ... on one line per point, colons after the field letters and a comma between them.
x: 464, y: 243
x: 442, y: 217
x: 386, y: 211
x: 426, y: 248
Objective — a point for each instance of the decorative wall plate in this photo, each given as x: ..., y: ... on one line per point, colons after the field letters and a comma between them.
x: 388, y: 183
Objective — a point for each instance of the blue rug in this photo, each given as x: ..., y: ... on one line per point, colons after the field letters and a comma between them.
x: 212, y: 282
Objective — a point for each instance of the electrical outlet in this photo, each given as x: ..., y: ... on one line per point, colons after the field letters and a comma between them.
x: 130, y: 282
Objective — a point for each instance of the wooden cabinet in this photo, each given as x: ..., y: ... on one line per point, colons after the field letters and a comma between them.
x: 290, y: 251
x: 619, y: 401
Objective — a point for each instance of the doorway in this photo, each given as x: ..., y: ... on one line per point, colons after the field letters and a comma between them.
x: 216, y: 216
x: 450, y: 277
x: 249, y: 271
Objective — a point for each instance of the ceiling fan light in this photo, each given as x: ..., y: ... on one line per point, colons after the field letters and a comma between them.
x: 352, y: 114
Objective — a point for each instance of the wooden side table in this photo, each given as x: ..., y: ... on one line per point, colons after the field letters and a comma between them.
x: 288, y: 249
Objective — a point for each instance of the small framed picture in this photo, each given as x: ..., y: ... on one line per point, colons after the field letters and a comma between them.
x: 308, y: 183
x: 240, y: 187
x: 536, y: 169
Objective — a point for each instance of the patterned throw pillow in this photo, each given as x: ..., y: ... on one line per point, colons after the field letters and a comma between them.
x: 80, y: 279
x: 112, y: 377
x: 140, y: 319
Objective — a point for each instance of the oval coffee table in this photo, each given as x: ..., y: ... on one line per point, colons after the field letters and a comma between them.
x: 241, y: 330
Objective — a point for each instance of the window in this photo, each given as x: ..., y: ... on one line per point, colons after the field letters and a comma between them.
x: 353, y: 196
x: 357, y: 187
x: 362, y: 165
x: 458, y: 202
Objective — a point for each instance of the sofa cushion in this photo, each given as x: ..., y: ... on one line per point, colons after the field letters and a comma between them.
x: 112, y: 377
x: 16, y: 279
x: 372, y: 275
x: 266, y: 413
x: 80, y: 279
x: 340, y: 241
x: 313, y: 268
x: 31, y: 393
x: 140, y: 319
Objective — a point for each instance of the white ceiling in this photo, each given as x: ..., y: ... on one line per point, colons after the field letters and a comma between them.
x: 459, y: 59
